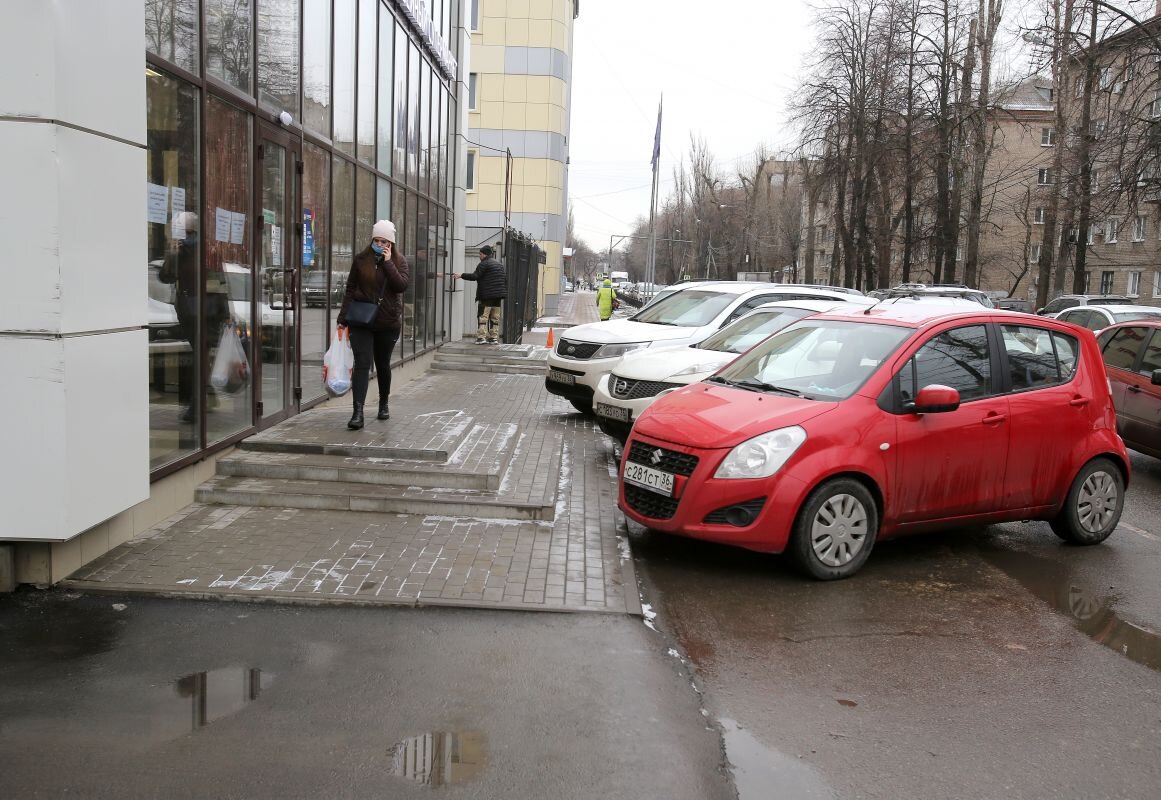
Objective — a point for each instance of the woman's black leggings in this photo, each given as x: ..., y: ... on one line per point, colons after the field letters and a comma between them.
x: 377, y: 345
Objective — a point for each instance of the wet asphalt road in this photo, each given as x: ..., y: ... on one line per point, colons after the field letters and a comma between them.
x: 987, y: 663
x: 174, y: 699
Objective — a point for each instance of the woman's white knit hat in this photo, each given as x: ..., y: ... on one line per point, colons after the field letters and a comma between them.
x: 384, y: 229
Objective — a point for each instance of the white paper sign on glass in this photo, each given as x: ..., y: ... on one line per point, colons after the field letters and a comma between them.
x: 222, y: 221
x: 238, y: 228
x: 177, y: 197
x: 276, y: 245
x: 157, y: 203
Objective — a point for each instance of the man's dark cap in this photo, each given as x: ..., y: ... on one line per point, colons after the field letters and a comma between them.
x: 487, y: 251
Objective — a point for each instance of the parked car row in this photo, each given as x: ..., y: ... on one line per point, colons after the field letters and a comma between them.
x: 819, y: 426
x: 586, y: 353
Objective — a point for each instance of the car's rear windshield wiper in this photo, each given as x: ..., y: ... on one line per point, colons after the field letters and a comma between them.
x: 762, y: 386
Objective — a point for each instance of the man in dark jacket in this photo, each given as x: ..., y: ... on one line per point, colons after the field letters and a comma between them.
x: 493, y: 288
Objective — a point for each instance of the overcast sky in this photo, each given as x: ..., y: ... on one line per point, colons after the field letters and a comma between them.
x: 726, y: 68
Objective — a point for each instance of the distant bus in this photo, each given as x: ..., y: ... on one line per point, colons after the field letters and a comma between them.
x: 619, y: 277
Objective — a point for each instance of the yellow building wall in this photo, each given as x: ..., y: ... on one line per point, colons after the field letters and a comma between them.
x: 521, y: 102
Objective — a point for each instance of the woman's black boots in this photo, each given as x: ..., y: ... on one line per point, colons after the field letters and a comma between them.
x: 384, y: 412
x: 356, y: 418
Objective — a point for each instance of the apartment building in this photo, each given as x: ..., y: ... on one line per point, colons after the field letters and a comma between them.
x: 1124, y: 241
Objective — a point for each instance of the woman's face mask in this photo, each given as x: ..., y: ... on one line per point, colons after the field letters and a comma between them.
x: 378, y: 248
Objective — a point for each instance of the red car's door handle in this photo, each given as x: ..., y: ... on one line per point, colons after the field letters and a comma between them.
x: 1078, y: 402
x: 1132, y: 387
x: 995, y: 419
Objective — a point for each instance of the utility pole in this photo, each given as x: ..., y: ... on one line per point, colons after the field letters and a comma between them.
x: 1085, y: 220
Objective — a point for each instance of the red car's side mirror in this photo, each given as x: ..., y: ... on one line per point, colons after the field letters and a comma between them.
x: 1156, y: 380
x: 936, y: 399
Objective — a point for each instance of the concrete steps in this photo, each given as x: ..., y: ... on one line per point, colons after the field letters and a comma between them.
x: 443, y: 464
x: 349, y: 469
x: 515, y: 359
x: 503, y: 368
x: 344, y: 496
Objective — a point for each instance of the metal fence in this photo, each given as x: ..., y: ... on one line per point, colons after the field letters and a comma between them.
x: 522, y: 260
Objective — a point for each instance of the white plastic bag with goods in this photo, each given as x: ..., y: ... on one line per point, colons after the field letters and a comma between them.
x: 338, y: 364
x: 231, y: 370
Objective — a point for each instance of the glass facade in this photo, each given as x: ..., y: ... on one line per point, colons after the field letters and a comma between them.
x: 175, y: 246
x: 253, y: 221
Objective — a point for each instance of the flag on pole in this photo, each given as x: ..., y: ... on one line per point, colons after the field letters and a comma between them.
x: 657, y: 137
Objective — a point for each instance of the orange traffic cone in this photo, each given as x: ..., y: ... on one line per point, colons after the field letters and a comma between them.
x: 549, y: 342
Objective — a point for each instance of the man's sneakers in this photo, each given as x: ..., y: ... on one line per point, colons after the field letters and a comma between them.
x: 481, y: 340
x: 493, y: 341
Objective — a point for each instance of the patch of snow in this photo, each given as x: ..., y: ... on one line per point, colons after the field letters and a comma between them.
x: 623, y: 547
x: 454, y: 412
x: 189, y: 580
x: 269, y: 581
x: 564, y: 482
x: 119, y: 606
x: 649, y: 614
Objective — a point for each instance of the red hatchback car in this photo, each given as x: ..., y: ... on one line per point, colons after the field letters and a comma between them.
x: 843, y: 429
x: 1132, y: 353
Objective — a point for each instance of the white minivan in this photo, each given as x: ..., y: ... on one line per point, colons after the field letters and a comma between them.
x: 586, y: 353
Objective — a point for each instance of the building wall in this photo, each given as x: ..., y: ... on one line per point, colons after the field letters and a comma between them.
x: 521, y: 57
x: 1009, y: 243
x: 73, y: 311
x: 103, y: 436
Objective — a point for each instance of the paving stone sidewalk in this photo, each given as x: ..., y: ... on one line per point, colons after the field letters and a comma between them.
x: 537, y: 448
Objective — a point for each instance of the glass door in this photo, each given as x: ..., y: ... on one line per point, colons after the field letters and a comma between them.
x: 277, y: 276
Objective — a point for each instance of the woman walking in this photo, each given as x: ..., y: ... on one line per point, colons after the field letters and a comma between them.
x: 372, y: 310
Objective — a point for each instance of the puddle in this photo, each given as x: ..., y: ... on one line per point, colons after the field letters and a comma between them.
x: 221, y: 692
x: 1091, y: 612
x: 760, y: 772
x: 441, y: 758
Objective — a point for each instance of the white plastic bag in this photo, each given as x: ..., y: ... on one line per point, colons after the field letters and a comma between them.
x: 231, y: 370
x: 338, y: 364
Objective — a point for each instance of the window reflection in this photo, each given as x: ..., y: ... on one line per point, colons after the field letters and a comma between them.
x: 364, y: 208
x: 367, y: 39
x: 228, y: 278
x: 343, y: 230
x: 1122, y: 351
x: 344, y: 135
x: 316, y: 65
x: 410, y: 240
x: 383, y: 200
x: 171, y: 31
x: 386, y: 77
x: 419, y: 273
x: 425, y: 128
x: 174, y: 242
x: 957, y: 358
x: 440, y: 268
x: 429, y: 279
x: 278, y: 55
x: 412, y: 114
x: 438, y: 127
x: 399, y: 161
x: 228, y: 41
x: 322, y: 288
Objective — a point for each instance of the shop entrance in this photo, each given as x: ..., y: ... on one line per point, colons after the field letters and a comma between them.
x: 278, y: 228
